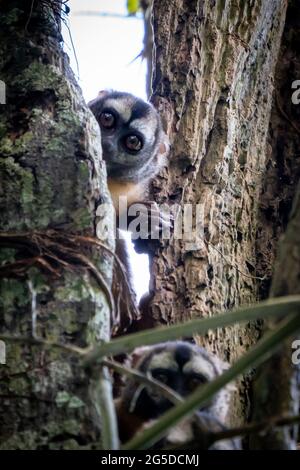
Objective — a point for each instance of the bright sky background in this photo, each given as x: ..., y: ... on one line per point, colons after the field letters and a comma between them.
x: 105, y: 48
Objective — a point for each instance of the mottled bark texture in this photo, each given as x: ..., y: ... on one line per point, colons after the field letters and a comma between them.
x: 215, y: 67
x: 52, y: 180
x: 276, y: 391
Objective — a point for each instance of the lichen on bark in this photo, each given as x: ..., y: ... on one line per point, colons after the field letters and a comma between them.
x: 52, y: 180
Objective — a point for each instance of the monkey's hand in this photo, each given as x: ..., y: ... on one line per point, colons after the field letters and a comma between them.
x: 146, y: 220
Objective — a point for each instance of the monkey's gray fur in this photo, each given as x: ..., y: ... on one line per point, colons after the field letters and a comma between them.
x: 131, y: 117
x: 183, y: 367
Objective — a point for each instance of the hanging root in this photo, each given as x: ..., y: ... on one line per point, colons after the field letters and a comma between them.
x: 55, y: 252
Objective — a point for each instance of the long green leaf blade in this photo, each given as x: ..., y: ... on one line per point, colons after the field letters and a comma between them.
x: 279, y: 306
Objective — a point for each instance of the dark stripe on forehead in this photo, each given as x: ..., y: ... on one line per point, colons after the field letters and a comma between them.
x: 182, y: 354
x: 140, y: 110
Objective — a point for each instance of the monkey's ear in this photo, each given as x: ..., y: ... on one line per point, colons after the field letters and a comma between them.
x: 138, y: 354
x: 100, y: 95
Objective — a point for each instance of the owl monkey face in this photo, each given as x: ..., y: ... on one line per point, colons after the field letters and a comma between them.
x: 179, y: 365
x: 131, y: 134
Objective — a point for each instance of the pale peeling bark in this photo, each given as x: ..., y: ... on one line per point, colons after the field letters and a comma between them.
x: 52, y: 180
x: 215, y: 64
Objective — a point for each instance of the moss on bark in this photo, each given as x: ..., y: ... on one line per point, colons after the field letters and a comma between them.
x: 52, y: 178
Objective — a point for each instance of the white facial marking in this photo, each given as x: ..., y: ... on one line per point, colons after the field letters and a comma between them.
x: 146, y: 126
x: 164, y: 360
x: 123, y: 106
x: 201, y: 365
x: 181, y: 433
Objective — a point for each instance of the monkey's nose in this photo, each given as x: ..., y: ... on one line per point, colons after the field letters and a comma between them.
x: 108, y: 148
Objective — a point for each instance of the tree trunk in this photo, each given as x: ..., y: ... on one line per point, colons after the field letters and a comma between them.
x: 54, y: 283
x: 276, y: 391
x: 220, y: 85
x: 214, y: 84
x: 277, y: 385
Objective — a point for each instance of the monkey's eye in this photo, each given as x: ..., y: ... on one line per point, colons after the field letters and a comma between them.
x: 161, y: 375
x: 133, y: 142
x: 195, y: 380
x: 107, y: 120
x: 162, y: 378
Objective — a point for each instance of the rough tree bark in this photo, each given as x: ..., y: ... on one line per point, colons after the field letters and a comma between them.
x: 214, y: 85
x: 52, y: 181
x: 232, y: 142
x: 277, y: 385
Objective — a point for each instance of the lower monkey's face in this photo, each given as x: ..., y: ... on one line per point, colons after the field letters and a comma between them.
x: 180, y: 366
x: 183, y: 367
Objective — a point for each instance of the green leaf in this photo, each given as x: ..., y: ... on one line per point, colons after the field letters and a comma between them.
x: 133, y: 6
x: 276, y: 307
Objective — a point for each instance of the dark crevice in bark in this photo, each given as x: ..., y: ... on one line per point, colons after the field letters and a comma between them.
x: 277, y: 383
x: 283, y: 155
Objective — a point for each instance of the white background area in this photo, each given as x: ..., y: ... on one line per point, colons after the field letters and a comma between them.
x: 105, y: 47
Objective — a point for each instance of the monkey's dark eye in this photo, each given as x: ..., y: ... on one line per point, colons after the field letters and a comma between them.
x: 162, y: 378
x: 195, y: 380
x: 133, y: 143
x: 107, y: 120
x: 161, y: 375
